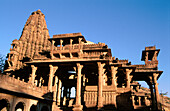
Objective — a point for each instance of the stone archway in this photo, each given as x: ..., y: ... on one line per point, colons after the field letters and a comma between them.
x: 19, y: 106
x: 33, y: 108
x: 4, y: 105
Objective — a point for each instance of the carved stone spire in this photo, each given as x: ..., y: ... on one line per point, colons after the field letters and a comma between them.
x: 34, y: 39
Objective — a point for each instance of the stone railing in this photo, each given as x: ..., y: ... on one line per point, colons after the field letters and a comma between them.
x: 19, y: 86
x: 100, y: 45
x: 90, y: 98
x: 81, y: 46
x: 91, y: 54
x: 67, y: 47
x: 109, y: 97
x: 122, y: 61
x: 151, y: 63
x: 139, y: 66
x: 150, y: 48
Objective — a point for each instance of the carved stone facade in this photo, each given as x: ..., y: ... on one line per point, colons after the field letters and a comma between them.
x: 42, y: 72
x: 33, y: 40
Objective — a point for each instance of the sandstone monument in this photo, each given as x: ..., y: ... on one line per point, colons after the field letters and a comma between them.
x: 41, y: 73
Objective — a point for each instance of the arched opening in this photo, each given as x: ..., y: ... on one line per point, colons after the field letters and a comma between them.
x: 19, y: 107
x: 121, y: 80
x: 4, y: 105
x: 73, y: 91
x: 44, y: 108
x: 33, y: 108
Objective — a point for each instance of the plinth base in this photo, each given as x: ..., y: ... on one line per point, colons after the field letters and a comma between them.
x: 77, y: 107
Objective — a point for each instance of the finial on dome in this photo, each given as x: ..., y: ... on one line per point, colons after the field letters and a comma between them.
x: 38, y: 10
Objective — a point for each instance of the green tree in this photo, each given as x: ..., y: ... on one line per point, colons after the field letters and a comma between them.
x: 162, y: 95
x: 2, y: 63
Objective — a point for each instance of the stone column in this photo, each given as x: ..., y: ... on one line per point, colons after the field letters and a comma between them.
x: 150, y: 83
x: 61, y: 43
x: 64, y: 96
x: 78, y: 106
x: 54, y: 94
x: 71, y: 47
x: 40, y: 82
x: 139, y: 99
x: 55, y: 91
x: 52, y: 49
x: 156, y: 90
x: 100, y: 84
x: 71, y: 42
x: 32, y: 79
x: 146, y: 57
x: 51, y: 75
x: 128, y: 79
x: 133, y: 101
x: 153, y: 98
x: 145, y: 100
x: 84, y: 80
x: 113, y: 75
x: 80, y: 40
x: 59, y: 92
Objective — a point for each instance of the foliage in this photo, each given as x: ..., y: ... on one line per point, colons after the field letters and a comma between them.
x: 2, y: 63
x: 162, y: 94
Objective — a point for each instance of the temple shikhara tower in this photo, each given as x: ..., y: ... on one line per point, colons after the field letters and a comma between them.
x: 67, y: 72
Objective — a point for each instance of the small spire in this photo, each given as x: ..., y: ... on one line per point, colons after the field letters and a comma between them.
x: 38, y: 10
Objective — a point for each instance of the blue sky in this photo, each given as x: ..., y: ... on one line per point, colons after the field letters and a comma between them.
x: 126, y: 26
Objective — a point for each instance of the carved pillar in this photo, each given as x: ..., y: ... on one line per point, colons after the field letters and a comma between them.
x: 64, y: 96
x: 133, y: 101
x: 52, y: 49
x: 55, y: 91
x: 139, y: 99
x: 155, y: 56
x: 128, y: 78
x: 32, y: 79
x: 146, y: 57
x: 59, y: 92
x: 78, y: 105
x: 150, y: 83
x: 51, y: 75
x: 40, y: 82
x: 145, y: 100
x: 84, y: 80
x: 61, y: 43
x: 100, y: 84
x: 113, y: 75
x: 156, y: 90
x: 80, y: 40
x: 71, y: 42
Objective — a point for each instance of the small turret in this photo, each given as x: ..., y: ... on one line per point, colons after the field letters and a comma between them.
x: 149, y: 55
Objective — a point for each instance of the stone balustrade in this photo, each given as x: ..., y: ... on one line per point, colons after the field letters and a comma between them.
x: 90, y: 98
x: 109, y: 97
x: 92, y: 54
x: 77, y: 46
x: 19, y: 86
x: 93, y: 45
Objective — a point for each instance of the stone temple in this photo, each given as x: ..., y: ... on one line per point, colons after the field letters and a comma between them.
x: 67, y: 72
